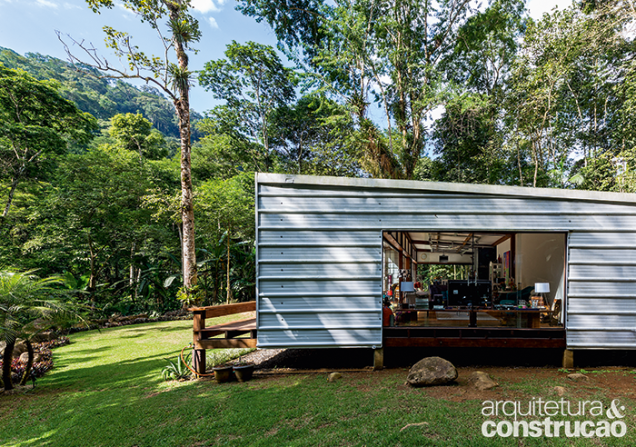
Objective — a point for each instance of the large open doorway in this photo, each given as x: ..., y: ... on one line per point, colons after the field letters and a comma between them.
x: 478, y: 279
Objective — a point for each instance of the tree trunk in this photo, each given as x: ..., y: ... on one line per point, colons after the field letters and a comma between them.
x: 29, y: 365
x: 7, y: 357
x: 182, y: 106
x: 92, y: 281
x: 132, y: 273
x: 228, y: 267
x: 14, y: 185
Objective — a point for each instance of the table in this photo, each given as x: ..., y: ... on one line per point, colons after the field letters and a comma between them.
x: 530, y: 318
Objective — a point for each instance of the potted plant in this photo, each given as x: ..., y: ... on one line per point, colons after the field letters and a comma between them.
x: 243, y: 370
x: 222, y: 373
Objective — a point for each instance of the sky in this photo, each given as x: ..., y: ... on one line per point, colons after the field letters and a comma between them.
x: 29, y: 26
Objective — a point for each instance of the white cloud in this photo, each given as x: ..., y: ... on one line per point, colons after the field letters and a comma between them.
x: 46, y: 3
x: 213, y: 23
x: 205, y: 6
x: 128, y: 14
x: 539, y: 7
x: 71, y: 6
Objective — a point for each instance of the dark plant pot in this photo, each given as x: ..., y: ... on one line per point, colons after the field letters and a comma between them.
x: 244, y: 372
x: 222, y: 374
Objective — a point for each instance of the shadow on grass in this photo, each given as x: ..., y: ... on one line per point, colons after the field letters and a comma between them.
x: 91, y: 350
x: 290, y: 411
x: 140, y: 334
x: 142, y: 372
x: 158, y: 329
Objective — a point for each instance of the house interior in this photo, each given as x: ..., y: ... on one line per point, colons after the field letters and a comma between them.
x: 473, y: 279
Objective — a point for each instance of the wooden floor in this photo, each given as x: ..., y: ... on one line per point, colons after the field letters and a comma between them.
x: 485, y: 319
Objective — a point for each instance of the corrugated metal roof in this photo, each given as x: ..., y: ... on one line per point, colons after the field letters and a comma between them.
x: 464, y: 188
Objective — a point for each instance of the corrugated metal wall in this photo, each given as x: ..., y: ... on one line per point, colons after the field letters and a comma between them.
x: 319, y: 253
x: 601, y: 311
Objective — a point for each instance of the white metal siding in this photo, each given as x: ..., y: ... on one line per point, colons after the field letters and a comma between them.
x: 602, y: 290
x: 317, y: 288
x: 319, y: 253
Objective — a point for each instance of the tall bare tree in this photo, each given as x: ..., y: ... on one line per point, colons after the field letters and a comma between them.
x: 172, y: 78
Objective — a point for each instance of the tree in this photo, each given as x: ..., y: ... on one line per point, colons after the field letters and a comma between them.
x: 134, y: 133
x: 35, y: 125
x: 97, y: 224
x: 363, y: 51
x: 470, y: 135
x: 229, y: 205
x: 28, y: 305
x: 465, y: 139
x: 566, y: 90
x: 253, y: 82
x: 313, y: 136
x: 173, y: 79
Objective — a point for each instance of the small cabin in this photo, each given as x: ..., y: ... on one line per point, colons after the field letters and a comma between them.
x: 351, y: 262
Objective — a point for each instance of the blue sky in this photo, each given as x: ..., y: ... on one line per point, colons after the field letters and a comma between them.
x: 28, y: 26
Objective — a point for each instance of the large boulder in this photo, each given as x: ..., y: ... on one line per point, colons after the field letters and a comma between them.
x: 481, y: 381
x: 19, y: 348
x: 431, y: 371
x: 24, y: 357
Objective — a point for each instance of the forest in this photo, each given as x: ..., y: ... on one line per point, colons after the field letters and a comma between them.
x: 406, y: 89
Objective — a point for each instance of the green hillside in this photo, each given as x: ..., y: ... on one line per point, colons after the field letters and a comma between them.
x: 102, y: 98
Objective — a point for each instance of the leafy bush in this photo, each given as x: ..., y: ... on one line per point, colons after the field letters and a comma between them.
x: 39, y: 368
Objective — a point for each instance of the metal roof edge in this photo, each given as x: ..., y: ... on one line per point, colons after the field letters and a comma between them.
x: 470, y: 188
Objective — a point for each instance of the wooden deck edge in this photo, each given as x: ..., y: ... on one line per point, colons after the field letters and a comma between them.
x: 225, y: 309
x: 429, y: 342
x: 225, y: 343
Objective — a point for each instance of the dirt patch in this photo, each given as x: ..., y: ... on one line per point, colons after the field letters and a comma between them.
x: 538, y: 377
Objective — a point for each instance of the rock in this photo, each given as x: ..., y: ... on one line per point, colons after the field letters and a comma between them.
x: 482, y: 381
x: 3, y: 344
x: 431, y: 371
x: 24, y: 357
x: 578, y: 377
x: 559, y: 390
x: 19, y: 348
x: 44, y: 336
x: 334, y: 376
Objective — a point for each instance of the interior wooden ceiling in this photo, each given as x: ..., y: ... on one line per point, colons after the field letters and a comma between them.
x: 459, y: 242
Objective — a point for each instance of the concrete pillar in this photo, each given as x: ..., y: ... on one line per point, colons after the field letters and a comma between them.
x: 378, y: 359
x: 568, y: 358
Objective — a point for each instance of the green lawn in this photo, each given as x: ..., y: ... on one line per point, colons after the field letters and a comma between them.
x: 106, y: 390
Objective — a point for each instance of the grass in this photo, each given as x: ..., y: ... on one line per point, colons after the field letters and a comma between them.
x: 106, y: 390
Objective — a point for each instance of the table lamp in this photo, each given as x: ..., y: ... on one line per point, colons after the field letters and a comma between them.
x: 541, y: 288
